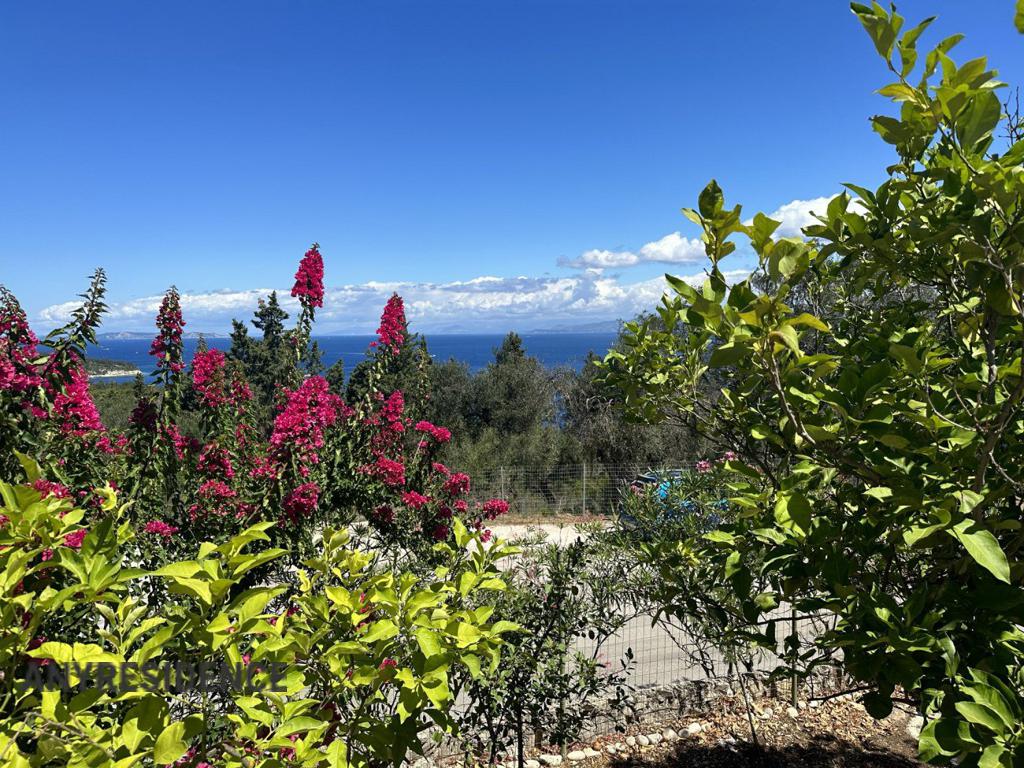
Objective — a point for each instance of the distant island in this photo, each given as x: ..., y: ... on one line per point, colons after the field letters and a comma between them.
x: 139, y: 335
x: 98, y: 367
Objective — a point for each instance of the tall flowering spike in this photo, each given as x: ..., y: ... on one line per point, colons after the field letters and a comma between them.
x: 74, y: 409
x: 309, y: 279
x: 392, y: 330
x: 167, y: 347
x: 17, y: 347
x: 209, y: 377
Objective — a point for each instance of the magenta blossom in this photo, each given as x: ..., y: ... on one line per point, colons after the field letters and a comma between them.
x: 309, y: 280
x: 74, y: 408
x: 160, y: 528
x: 208, y: 377
x: 440, y: 434
x: 301, y: 502
x: 391, y: 332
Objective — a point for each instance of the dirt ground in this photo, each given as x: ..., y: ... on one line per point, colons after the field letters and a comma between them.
x: 837, y: 733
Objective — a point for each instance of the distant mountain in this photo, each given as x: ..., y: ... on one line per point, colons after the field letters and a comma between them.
x: 139, y: 335
x: 596, y: 326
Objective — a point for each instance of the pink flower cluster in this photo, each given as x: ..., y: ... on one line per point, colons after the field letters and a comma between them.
x: 301, y: 502
x: 456, y: 484
x: 440, y: 434
x: 74, y: 539
x: 493, y: 508
x: 309, y: 279
x: 47, y: 489
x: 390, y: 472
x: 215, y: 461
x: 74, y: 408
x: 704, y: 466
x: 307, y: 413
x: 160, y: 528
x: 166, y: 347
x: 209, y: 379
x: 414, y: 499
x: 391, y: 332
x: 214, y: 497
x: 17, y: 348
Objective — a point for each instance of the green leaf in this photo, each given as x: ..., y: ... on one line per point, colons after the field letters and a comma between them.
x: 170, y: 744
x: 978, y: 119
x: 427, y: 640
x: 710, y: 200
x: 979, y: 714
x: 983, y: 547
x: 1018, y: 17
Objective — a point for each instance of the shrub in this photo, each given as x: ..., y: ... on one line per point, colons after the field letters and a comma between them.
x: 873, y: 390
x: 348, y: 664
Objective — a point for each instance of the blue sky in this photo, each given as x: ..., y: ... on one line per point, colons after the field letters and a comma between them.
x: 475, y: 155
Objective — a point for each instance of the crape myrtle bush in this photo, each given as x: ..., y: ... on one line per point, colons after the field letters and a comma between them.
x: 873, y: 393
x: 226, y: 538
x: 313, y: 459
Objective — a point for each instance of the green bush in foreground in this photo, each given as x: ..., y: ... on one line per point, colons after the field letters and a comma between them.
x: 875, y: 397
x: 344, y: 665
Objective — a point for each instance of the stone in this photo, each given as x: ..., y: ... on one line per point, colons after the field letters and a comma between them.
x: 693, y: 729
x: 768, y: 714
x: 590, y: 752
x: 792, y: 712
x: 531, y: 763
x: 576, y: 756
x: 631, y: 741
x: 550, y: 760
x: 669, y: 734
x: 914, y: 726
x: 620, y: 747
x: 643, y: 741
x: 654, y: 738
x: 802, y: 705
x: 610, y: 749
x: 815, y: 704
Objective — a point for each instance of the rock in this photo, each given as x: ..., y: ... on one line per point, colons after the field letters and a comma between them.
x: 643, y: 741
x: 576, y: 756
x: 693, y: 729
x: 610, y: 749
x: 815, y: 704
x: 591, y: 753
x: 802, y: 705
x: 654, y: 738
x: 631, y: 741
x: 531, y: 763
x: 550, y: 760
x: 620, y: 747
x: 914, y: 726
x: 669, y: 734
x: 768, y: 714
x: 792, y: 712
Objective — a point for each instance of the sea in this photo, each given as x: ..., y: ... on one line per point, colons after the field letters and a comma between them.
x: 553, y: 350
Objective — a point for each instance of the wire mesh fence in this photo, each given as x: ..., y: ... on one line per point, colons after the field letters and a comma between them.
x: 558, y: 490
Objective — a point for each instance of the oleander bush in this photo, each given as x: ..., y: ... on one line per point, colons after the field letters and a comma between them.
x: 874, y: 397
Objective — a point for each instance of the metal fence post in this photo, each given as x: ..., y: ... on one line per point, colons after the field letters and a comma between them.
x: 584, y: 488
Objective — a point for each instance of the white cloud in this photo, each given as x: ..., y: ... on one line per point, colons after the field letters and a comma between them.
x: 797, y: 214
x: 671, y: 249
x: 483, y: 304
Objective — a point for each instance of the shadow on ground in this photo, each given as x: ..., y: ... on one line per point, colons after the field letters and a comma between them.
x: 820, y: 751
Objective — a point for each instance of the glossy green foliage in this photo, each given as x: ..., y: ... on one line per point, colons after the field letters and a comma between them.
x: 873, y: 390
